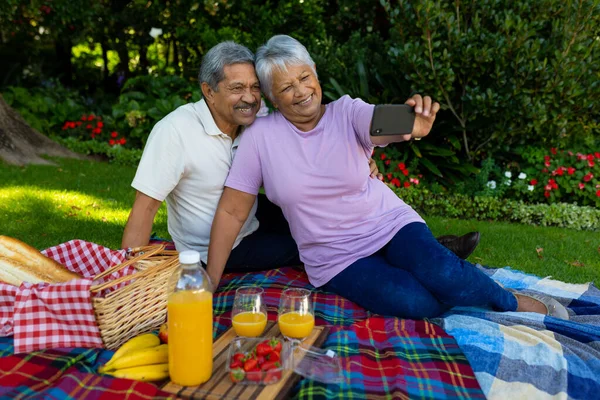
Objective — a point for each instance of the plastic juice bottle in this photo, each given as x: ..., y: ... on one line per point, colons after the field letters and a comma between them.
x: 190, y: 321
x: 296, y: 325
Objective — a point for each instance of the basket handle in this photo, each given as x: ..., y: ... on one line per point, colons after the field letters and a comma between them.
x: 144, y: 253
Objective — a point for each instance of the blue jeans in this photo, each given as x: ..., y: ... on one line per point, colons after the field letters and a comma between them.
x: 414, y: 276
x: 271, y: 246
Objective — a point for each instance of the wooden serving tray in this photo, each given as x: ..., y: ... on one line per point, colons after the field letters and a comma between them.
x: 220, y: 386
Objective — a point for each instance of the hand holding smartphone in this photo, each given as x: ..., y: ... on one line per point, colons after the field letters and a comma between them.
x: 392, y: 119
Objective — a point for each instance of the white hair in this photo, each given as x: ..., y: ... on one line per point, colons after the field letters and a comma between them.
x: 214, y: 62
x: 279, y: 51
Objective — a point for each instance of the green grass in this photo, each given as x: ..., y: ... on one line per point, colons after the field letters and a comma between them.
x: 88, y: 200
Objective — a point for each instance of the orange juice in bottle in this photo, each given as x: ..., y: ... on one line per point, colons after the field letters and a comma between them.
x: 190, y: 320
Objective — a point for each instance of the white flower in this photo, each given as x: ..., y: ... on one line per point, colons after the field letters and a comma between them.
x: 508, y: 182
x: 491, y: 184
x: 508, y: 174
x: 522, y: 175
x: 530, y: 188
x: 155, y: 32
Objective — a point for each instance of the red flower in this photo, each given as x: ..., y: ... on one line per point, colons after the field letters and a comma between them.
x: 84, y: 117
x: 547, y: 194
x: 590, y: 157
x: 406, y: 184
x: 581, y: 186
x: 546, y: 158
x: 88, y: 126
x: 598, y: 193
x: 387, y: 162
x: 588, y: 177
x: 395, y: 182
x: 553, y: 150
x: 571, y: 170
x: 91, y: 118
x: 559, y: 172
x: 591, y: 163
x: 97, y: 131
x: 533, y: 182
x: 111, y: 142
x: 547, y: 163
x: 389, y: 176
x: 100, y: 124
x: 545, y: 170
x: 405, y: 172
x: 78, y: 123
x: 383, y: 156
x: 597, y: 155
x: 548, y: 187
x: 401, y: 166
x: 552, y: 183
x: 114, y: 134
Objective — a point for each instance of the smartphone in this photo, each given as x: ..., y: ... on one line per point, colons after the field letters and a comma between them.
x: 392, y: 119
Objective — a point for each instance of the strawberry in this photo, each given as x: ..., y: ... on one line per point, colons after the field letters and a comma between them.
x: 236, y: 364
x: 262, y: 349
x: 238, y: 357
x: 274, y: 356
x: 272, y: 376
x: 237, y: 375
x: 250, y: 364
x: 270, y: 365
x: 254, y: 375
x: 260, y: 360
x: 275, y: 344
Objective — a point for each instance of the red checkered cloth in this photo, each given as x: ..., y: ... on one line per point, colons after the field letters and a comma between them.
x: 46, y: 316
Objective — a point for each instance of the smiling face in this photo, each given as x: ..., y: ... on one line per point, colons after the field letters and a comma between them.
x: 237, y: 99
x: 297, y: 94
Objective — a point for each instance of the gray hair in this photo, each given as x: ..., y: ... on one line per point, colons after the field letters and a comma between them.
x: 214, y: 62
x: 279, y: 51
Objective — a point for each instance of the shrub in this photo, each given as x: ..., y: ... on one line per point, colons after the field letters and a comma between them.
x: 491, y: 208
x: 115, y: 154
x: 507, y: 73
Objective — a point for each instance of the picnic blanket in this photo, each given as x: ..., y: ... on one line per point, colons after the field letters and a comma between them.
x: 381, y: 357
x: 531, y: 356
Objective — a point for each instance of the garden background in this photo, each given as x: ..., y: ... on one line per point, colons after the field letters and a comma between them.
x: 516, y: 145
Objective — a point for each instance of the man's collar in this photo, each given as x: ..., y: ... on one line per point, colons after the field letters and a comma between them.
x: 208, y: 122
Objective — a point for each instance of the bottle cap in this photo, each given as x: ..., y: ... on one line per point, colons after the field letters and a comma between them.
x: 189, y: 257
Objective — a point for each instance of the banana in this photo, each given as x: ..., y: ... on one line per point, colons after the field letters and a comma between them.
x: 135, y: 358
x: 144, y: 373
x: 139, y: 342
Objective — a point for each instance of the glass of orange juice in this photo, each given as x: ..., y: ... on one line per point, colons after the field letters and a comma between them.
x: 249, y: 314
x: 296, y: 317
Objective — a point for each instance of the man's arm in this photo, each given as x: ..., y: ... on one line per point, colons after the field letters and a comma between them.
x: 141, y: 218
x: 232, y: 212
x: 425, y: 112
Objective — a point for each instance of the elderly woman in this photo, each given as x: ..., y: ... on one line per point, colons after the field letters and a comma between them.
x: 355, y: 236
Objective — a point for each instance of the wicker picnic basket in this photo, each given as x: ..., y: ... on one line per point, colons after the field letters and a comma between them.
x: 139, y: 306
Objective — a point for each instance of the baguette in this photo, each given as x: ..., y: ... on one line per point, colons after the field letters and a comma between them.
x: 20, y: 263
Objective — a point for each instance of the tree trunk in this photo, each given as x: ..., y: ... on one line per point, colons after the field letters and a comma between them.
x: 20, y: 144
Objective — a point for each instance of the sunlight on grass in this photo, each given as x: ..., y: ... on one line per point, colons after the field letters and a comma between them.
x: 28, y: 199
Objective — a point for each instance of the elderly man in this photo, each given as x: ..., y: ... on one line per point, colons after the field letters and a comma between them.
x: 186, y: 162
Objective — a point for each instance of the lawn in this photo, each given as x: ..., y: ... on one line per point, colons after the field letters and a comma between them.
x: 45, y: 205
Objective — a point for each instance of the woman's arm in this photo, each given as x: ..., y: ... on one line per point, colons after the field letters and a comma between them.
x: 232, y: 212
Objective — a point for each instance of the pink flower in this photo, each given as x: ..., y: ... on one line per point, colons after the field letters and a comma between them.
x: 588, y: 177
x: 387, y: 162
x: 581, y: 186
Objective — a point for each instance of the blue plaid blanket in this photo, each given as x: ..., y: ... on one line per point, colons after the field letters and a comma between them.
x: 531, y: 356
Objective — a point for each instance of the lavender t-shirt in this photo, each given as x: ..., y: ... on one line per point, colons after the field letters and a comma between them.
x: 337, y: 213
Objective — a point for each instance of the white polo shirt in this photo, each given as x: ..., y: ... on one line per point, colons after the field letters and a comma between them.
x: 186, y: 161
